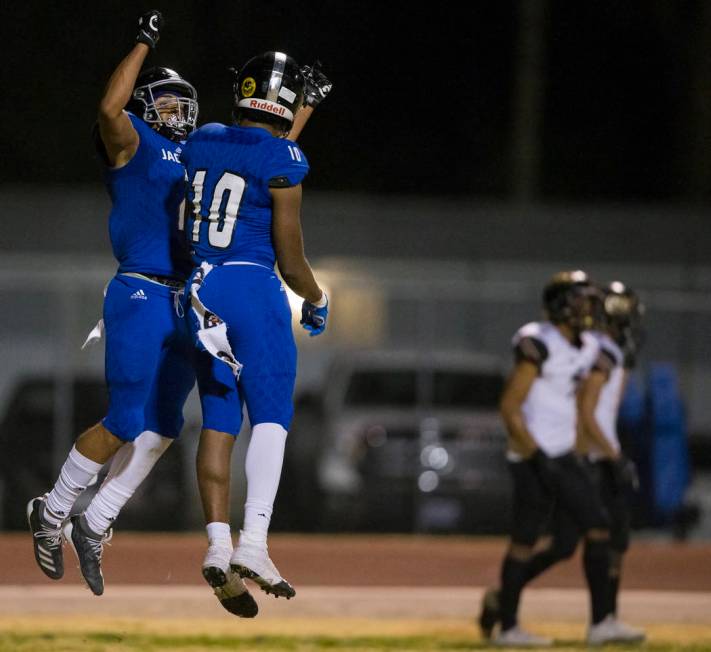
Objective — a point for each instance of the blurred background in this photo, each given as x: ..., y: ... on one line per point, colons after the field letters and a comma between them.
x: 465, y: 154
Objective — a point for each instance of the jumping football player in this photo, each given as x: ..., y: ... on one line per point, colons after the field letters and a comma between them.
x: 614, y: 475
x: 245, y: 193
x: 148, y: 365
x: 539, y: 408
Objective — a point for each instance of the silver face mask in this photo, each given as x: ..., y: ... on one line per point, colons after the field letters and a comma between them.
x: 184, y: 109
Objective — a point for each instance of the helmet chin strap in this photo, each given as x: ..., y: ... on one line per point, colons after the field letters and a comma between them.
x: 171, y: 133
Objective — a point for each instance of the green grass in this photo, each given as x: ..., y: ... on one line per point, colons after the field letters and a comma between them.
x: 69, y: 641
x: 73, y: 633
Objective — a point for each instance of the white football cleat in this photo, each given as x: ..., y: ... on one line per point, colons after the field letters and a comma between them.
x: 216, y: 565
x: 517, y: 637
x: 252, y: 562
x: 611, y: 630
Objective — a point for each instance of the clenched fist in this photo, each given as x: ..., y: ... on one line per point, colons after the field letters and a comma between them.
x: 149, y: 26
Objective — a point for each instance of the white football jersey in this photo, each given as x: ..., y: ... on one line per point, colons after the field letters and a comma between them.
x: 608, y: 404
x: 550, y: 409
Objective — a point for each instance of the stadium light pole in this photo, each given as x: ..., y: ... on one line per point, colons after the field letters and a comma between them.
x: 528, y: 100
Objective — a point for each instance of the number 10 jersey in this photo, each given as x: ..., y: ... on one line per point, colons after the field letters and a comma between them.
x: 230, y: 171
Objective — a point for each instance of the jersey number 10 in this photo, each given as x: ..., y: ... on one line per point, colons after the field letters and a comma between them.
x: 223, y: 209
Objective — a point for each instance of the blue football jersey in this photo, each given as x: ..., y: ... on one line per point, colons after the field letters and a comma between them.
x: 146, y: 195
x: 229, y: 205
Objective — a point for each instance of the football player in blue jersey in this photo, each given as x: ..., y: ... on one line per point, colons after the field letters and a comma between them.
x: 243, y: 216
x: 143, y: 120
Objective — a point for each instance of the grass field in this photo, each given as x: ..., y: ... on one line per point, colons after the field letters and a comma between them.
x: 76, y: 634
x: 68, y: 618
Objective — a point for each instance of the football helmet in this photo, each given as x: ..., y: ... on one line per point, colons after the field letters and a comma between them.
x: 571, y: 298
x: 153, y: 83
x: 269, y: 88
x: 623, y: 315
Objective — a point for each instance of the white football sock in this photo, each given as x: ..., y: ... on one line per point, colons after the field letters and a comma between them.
x: 265, y: 456
x: 129, y: 467
x: 74, y: 477
x: 219, y: 534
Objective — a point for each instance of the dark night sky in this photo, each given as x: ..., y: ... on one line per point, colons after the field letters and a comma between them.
x: 422, y: 98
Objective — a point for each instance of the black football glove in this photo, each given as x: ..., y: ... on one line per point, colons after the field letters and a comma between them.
x: 624, y: 474
x: 316, y: 85
x: 149, y: 26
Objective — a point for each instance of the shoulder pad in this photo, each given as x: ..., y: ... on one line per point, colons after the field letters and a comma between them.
x: 532, y: 329
x: 209, y: 129
x: 605, y: 361
x: 531, y: 349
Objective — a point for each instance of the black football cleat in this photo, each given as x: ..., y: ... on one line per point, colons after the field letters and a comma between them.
x: 47, y: 540
x: 88, y: 547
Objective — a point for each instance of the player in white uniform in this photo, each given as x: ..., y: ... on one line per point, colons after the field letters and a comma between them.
x: 539, y: 407
x: 614, y: 475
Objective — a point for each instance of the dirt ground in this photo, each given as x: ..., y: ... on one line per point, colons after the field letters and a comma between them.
x: 395, y: 584
x: 360, y: 561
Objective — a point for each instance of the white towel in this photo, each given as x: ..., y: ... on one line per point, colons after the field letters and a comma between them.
x: 213, y: 331
x: 96, y: 334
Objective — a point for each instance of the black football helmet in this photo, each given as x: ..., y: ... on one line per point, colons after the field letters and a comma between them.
x: 150, y: 85
x: 571, y: 298
x: 269, y: 88
x: 623, y: 316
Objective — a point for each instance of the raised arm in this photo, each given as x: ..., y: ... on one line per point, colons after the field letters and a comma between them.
x: 117, y: 134
x: 316, y: 87
x: 300, y: 119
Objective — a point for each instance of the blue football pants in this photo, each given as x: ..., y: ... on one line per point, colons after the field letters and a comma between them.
x: 149, y: 358
x: 251, y: 300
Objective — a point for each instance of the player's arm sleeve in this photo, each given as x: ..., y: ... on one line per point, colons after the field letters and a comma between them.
x: 532, y: 350
x: 605, y: 362
x: 288, y: 166
x: 139, y: 161
x: 121, y: 136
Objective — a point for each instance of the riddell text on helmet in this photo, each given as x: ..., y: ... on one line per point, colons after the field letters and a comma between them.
x: 267, y: 106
